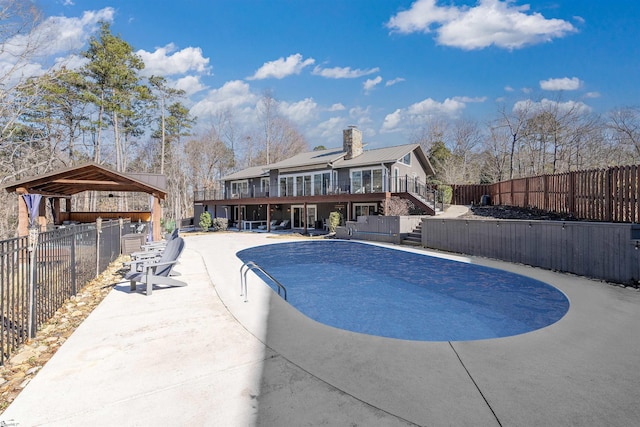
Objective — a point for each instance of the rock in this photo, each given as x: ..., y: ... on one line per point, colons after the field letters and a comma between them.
x: 23, y: 356
x: 33, y: 370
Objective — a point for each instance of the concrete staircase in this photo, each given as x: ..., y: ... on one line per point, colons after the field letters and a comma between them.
x: 414, y: 238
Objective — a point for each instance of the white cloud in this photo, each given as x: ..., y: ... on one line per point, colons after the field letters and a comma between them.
x: 190, y: 84
x: 167, y: 61
x: 592, y: 95
x: 451, y: 107
x: 371, y: 83
x: 421, y: 16
x: 330, y: 130
x: 361, y: 116
x: 234, y: 95
x: 508, y: 89
x: 337, y: 107
x: 429, y: 106
x: 299, y: 112
x: 282, y: 67
x: 64, y: 34
x: 394, y: 81
x: 551, y: 105
x: 343, y: 72
x: 54, y: 36
x: 469, y: 99
x: 564, y: 83
x: 490, y: 22
x: 392, y: 121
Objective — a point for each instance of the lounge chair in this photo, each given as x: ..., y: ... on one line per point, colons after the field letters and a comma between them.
x: 273, y: 224
x: 158, y: 271
x: 284, y: 225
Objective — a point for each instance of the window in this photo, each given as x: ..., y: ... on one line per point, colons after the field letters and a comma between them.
x: 356, y: 182
x: 264, y: 185
x: 362, y: 209
x: 406, y: 159
x: 367, y: 181
x: 239, y: 188
x: 321, y: 183
x: 286, y: 186
x: 305, y: 184
x: 377, y: 182
x: 299, y: 186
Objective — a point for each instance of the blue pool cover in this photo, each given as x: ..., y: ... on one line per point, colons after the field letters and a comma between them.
x: 398, y: 294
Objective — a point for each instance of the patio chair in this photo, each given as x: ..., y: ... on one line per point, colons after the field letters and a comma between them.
x: 158, y: 272
x: 160, y: 245
x: 151, y: 251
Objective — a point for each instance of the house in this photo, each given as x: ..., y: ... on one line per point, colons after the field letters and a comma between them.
x: 306, y: 188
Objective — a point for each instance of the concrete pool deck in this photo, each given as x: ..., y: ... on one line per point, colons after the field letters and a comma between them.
x: 199, y: 355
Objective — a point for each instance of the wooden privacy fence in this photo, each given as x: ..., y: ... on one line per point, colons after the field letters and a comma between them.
x: 598, y: 195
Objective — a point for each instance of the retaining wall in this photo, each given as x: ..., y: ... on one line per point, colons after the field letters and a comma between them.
x: 378, y: 228
x: 607, y: 251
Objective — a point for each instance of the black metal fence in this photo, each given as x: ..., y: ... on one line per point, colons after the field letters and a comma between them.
x: 40, y: 271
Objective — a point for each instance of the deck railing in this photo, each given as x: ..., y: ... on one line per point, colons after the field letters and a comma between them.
x: 404, y: 184
x: 40, y: 271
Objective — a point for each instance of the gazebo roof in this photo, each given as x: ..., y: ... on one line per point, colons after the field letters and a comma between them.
x: 90, y: 177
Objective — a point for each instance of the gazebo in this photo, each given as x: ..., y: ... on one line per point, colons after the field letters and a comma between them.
x: 63, y: 184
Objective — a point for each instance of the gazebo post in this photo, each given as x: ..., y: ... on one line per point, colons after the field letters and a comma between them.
x: 23, y: 213
x: 156, y: 215
x: 42, y: 215
x: 56, y: 210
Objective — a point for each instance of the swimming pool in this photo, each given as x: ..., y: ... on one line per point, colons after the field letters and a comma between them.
x: 398, y: 294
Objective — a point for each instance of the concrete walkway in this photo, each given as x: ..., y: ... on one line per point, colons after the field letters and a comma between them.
x: 200, y: 356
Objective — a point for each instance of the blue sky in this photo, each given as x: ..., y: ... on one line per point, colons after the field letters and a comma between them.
x: 383, y: 65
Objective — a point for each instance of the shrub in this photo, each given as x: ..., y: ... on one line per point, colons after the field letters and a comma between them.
x: 220, y: 224
x: 168, y: 225
x: 446, y: 193
x: 205, y: 221
x: 335, y: 218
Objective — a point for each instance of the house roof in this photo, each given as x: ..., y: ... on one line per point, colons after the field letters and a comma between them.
x: 90, y: 177
x: 386, y: 155
x: 251, y: 172
x: 334, y: 157
x: 309, y: 159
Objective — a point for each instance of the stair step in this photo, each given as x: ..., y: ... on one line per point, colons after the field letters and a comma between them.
x: 411, y: 242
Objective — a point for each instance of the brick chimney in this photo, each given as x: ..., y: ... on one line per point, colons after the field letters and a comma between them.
x: 352, y: 142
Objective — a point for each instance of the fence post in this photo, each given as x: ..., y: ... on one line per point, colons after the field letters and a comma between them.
x: 121, y: 225
x: 608, y: 202
x: 98, y: 231
x: 33, y: 247
x: 74, y: 279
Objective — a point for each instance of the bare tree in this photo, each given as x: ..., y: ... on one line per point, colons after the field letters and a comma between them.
x: 279, y: 138
x: 625, y: 125
x: 461, y: 167
x: 514, y: 122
